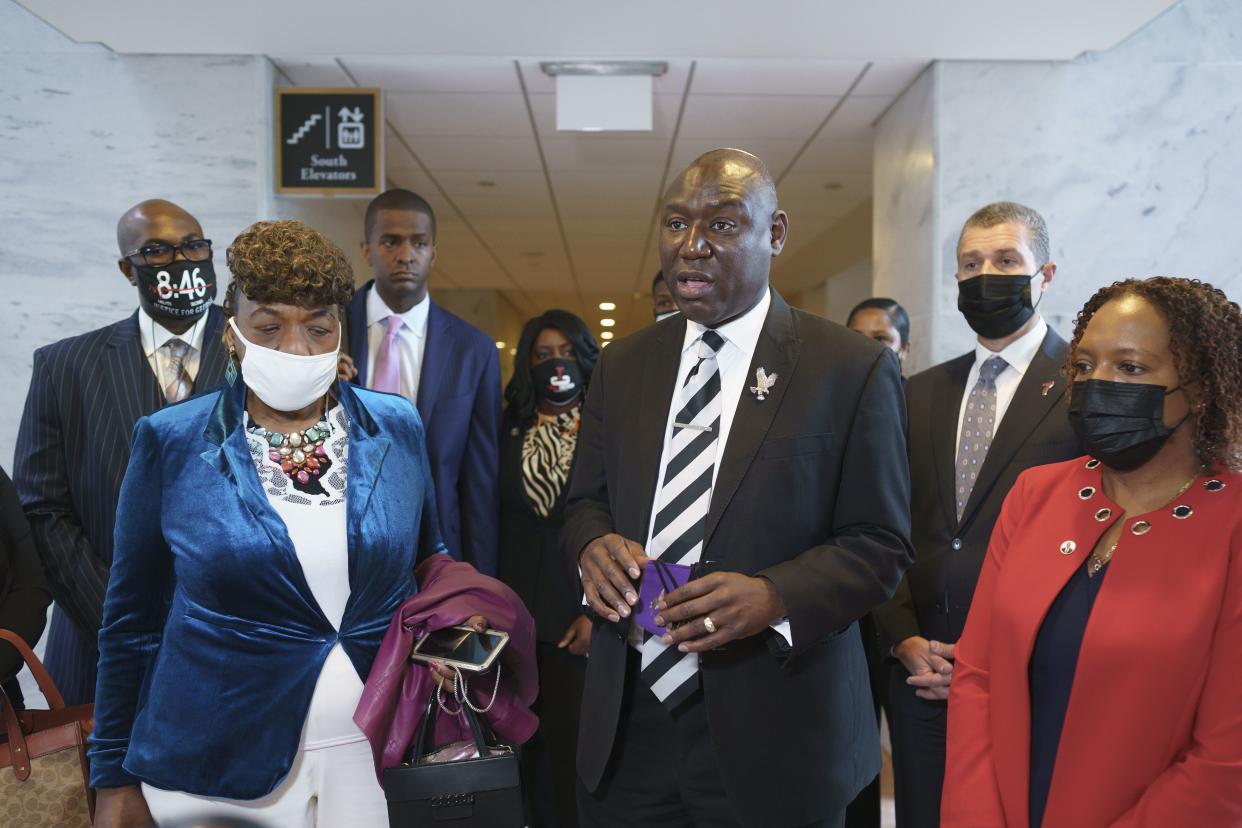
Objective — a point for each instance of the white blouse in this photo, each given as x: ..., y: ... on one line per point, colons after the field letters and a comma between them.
x: 316, y: 523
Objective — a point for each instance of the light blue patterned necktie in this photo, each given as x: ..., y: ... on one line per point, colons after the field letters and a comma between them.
x: 978, y: 426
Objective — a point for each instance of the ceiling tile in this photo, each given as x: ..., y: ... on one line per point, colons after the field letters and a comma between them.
x: 775, y: 77
x: 836, y: 156
x: 605, y: 151
x: 476, y: 153
x: 311, y: 71
x: 481, y: 114
x: 435, y: 74
x: 754, y: 116
x: 890, y: 77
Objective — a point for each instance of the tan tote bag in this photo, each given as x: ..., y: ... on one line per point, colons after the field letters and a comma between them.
x: 44, y: 781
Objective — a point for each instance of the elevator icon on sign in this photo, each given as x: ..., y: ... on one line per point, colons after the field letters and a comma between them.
x: 350, y: 133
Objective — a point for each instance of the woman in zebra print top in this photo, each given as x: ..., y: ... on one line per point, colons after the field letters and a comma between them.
x: 539, y: 436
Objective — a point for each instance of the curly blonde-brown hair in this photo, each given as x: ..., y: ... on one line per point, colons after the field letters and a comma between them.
x: 289, y: 263
x: 1205, y: 336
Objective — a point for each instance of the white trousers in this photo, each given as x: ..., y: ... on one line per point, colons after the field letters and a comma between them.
x: 331, y: 787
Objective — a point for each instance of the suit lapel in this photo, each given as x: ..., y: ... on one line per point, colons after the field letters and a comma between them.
x: 777, y: 353
x: 945, y: 407
x: 356, y: 314
x: 129, y: 379
x: 659, y: 378
x: 438, y: 353
x: 213, y: 360
x: 1030, y: 405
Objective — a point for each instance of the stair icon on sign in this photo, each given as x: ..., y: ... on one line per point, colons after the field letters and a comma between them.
x: 305, y: 128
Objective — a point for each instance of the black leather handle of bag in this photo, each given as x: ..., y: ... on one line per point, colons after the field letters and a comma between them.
x: 423, y: 739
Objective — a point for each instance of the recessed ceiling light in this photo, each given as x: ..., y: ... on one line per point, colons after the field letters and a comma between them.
x: 832, y: 185
x: 486, y: 183
x: 605, y: 344
x: 513, y: 352
x: 607, y: 305
x: 607, y: 323
x: 500, y: 344
x: 606, y: 335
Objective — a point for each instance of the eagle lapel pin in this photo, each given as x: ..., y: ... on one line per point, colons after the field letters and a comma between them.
x: 764, y: 382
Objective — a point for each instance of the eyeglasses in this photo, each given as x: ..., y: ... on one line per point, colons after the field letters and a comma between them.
x: 195, y: 250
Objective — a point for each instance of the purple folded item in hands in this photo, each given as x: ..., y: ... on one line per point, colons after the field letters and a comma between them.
x: 659, y: 579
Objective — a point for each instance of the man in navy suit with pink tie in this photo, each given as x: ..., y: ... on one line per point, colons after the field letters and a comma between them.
x: 403, y: 343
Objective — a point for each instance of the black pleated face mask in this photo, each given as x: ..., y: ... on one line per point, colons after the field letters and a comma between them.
x: 994, y: 305
x: 1121, y: 424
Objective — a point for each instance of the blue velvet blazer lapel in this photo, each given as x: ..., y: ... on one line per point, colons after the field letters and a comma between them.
x: 230, y: 455
x: 367, y: 451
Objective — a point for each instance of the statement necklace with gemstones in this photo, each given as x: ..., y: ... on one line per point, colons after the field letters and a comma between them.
x: 299, y: 453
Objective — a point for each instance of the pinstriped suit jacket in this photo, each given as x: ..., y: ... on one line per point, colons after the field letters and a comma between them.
x: 86, y: 394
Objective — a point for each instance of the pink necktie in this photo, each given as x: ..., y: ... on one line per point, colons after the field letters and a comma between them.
x: 387, y: 376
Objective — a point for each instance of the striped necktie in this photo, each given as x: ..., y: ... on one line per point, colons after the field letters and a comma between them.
x: 176, y: 380
x: 681, y: 511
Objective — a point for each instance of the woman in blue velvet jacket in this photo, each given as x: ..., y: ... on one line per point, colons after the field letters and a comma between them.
x: 266, y: 533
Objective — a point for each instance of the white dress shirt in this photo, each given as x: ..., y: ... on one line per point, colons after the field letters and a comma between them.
x: 411, y: 340
x: 155, y: 336
x: 1018, y: 356
x: 733, y: 361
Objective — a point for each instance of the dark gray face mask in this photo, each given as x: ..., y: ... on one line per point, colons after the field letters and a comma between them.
x: 1121, y: 424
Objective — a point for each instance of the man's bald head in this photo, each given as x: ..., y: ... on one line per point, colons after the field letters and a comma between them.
x: 733, y: 165
x: 720, y: 227
x: 151, y: 220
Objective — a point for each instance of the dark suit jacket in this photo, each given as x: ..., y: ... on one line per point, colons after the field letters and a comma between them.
x: 86, y: 393
x: 212, y: 640
x: 459, y: 401
x: 530, y: 557
x: 812, y: 493
x: 23, y: 590
x: 935, y: 594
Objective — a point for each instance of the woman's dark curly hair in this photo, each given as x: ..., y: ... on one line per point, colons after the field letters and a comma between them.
x: 1205, y: 336
x: 520, y: 399
x: 288, y: 263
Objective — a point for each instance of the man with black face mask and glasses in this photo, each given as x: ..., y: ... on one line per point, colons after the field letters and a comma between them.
x: 86, y: 393
x: 976, y: 422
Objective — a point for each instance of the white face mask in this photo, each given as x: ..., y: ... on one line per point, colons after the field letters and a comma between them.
x: 286, y: 382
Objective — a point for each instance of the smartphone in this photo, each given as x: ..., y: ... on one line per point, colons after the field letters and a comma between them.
x: 461, y: 647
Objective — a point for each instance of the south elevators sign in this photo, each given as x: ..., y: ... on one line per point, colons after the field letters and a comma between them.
x: 328, y: 142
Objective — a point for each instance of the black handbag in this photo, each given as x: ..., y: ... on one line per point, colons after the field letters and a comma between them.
x: 485, y: 792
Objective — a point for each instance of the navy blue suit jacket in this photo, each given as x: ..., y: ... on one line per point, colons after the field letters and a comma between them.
x: 459, y: 401
x: 212, y: 640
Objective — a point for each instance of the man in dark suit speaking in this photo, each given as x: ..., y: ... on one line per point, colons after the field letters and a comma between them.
x: 765, y: 446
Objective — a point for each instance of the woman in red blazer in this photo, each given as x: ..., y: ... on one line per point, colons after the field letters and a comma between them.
x: 1099, y: 678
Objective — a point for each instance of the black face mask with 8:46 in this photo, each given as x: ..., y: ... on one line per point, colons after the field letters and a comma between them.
x: 180, y: 289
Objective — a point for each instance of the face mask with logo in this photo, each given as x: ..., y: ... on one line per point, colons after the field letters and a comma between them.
x: 1121, y: 424
x: 996, y: 306
x: 180, y: 289
x: 286, y: 382
x: 559, y: 381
